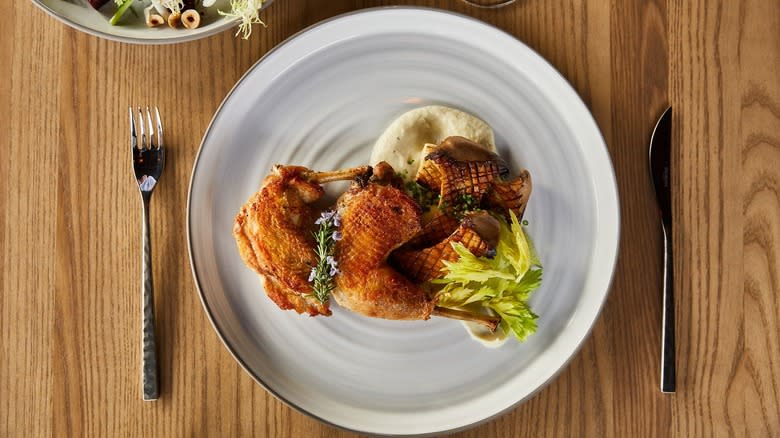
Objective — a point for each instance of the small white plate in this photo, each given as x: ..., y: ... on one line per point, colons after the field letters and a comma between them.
x: 320, y: 100
x: 80, y: 15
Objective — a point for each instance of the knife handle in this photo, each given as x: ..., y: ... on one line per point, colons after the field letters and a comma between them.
x: 668, y: 374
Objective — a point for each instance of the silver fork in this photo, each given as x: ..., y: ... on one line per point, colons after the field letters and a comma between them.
x: 148, y: 163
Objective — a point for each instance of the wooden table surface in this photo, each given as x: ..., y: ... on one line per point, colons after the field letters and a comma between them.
x: 70, y: 224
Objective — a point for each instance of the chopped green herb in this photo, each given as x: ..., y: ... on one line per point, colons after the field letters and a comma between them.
x: 463, y: 204
x: 425, y: 197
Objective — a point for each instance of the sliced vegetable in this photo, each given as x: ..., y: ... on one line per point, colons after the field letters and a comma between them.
x: 502, y: 284
x: 124, y: 5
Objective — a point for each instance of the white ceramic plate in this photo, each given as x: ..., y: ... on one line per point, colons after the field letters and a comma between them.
x: 80, y: 15
x: 321, y: 99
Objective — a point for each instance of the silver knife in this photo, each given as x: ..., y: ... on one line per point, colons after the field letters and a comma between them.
x: 660, y: 165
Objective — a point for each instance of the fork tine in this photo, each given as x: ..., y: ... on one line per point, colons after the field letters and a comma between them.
x: 159, y: 128
x: 133, y: 136
x: 151, y: 129
x: 143, y: 131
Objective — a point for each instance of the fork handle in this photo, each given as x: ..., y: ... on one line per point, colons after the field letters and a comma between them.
x: 149, y: 378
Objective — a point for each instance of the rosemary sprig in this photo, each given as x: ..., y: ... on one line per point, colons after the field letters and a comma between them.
x: 322, y: 273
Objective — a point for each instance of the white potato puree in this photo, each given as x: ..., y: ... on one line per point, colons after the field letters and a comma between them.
x: 402, y: 143
x: 483, y: 335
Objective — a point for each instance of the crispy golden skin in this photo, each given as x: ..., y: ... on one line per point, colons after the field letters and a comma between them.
x: 375, y: 220
x: 273, y: 234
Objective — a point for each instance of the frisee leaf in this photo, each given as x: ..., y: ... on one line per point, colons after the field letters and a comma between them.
x: 247, y: 12
x: 503, y: 283
x: 175, y: 6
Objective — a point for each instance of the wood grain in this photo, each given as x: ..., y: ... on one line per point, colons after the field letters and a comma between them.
x: 70, y: 233
x: 726, y: 85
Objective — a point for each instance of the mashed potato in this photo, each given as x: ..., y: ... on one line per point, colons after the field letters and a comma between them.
x: 402, y: 143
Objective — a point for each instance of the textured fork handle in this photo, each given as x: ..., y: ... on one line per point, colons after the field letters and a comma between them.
x: 149, y: 380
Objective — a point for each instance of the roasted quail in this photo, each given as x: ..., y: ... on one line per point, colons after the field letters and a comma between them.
x: 273, y: 231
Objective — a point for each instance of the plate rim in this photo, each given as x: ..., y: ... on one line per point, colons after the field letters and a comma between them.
x: 584, y: 335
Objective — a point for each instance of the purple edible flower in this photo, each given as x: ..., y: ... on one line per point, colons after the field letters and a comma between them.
x: 312, y: 274
x: 337, y: 236
x: 334, y: 265
x: 325, y: 216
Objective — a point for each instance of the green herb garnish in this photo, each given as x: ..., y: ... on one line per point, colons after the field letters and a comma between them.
x: 424, y: 197
x: 502, y: 284
x: 322, y: 273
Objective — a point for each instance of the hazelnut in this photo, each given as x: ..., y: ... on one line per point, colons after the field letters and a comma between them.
x: 190, y: 19
x: 154, y: 20
x: 173, y: 19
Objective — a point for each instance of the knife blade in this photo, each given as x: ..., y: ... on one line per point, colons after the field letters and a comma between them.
x: 660, y: 171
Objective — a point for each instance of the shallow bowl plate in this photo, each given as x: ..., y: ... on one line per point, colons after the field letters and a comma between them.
x: 321, y: 99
